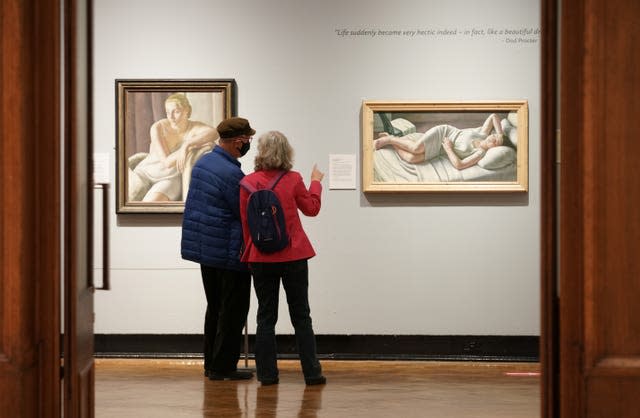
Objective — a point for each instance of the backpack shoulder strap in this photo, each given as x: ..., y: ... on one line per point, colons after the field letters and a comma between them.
x: 248, y: 187
x: 275, y: 180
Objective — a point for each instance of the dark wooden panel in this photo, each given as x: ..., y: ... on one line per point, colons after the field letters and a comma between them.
x: 613, y: 94
x: 571, y: 228
x: 29, y: 220
x: 79, y: 315
x: 613, y: 396
x: 548, y: 210
x: 600, y: 222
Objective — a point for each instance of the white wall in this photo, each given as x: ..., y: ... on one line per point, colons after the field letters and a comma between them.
x: 385, y: 264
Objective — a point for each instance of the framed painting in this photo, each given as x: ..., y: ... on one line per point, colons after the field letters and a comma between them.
x: 163, y: 127
x: 444, y: 146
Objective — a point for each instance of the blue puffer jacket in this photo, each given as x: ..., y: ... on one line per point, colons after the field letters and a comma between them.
x: 211, y: 229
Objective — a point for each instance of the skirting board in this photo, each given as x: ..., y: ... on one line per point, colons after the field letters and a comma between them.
x: 339, y: 347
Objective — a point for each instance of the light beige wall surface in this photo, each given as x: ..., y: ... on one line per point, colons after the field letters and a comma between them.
x: 444, y: 264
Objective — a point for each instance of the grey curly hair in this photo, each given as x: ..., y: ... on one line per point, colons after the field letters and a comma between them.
x: 274, y: 152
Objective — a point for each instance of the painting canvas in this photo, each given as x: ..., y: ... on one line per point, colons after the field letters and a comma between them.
x: 444, y: 146
x: 163, y: 128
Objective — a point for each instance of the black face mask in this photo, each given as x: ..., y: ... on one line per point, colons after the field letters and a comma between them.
x: 244, y: 148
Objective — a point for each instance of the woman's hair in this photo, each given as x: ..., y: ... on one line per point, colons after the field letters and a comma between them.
x: 274, y: 152
x: 181, y: 100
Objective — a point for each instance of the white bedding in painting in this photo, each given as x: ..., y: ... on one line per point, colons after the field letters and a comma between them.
x: 389, y: 167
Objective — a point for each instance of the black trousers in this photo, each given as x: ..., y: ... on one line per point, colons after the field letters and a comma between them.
x: 294, y: 276
x: 227, y: 293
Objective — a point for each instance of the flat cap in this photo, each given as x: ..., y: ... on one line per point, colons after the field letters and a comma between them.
x: 232, y: 127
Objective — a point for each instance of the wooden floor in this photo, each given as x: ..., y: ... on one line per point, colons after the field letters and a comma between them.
x: 177, y: 388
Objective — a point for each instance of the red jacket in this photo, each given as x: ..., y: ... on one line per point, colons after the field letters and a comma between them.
x: 293, y: 195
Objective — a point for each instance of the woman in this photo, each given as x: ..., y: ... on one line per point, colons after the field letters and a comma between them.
x: 158, y: 177
x: 464, y: 147
x: 289, y: 265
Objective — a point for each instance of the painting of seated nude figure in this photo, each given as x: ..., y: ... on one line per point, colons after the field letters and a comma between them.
x: 164, y: 127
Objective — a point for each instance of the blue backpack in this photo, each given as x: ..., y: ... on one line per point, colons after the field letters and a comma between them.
x: 265, y: 217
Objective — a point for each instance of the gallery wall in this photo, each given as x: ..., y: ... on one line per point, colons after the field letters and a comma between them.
x: 393, y: 264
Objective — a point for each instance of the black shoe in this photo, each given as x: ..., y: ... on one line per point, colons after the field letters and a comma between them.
x: 207, y: 373
x: 235, y: 375
x: 269, y: 382
x: 320, y: 380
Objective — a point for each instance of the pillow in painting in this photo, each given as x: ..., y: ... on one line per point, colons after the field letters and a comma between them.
x: 404, y: 126
x: 506, y: 125
x: 498, y: 157
x: 513, y: 136
x: 510, y: 130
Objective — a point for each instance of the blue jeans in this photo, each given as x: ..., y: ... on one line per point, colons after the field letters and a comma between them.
x: 295, y: 280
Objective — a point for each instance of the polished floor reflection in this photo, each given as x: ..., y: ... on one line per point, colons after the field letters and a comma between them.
x: 177, y: 388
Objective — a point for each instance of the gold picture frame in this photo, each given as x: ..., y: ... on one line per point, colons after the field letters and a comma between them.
x: 412, y: 158
x: 152, y: 175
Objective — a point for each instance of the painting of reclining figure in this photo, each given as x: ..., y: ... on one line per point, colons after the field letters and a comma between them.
x: 437, y: 147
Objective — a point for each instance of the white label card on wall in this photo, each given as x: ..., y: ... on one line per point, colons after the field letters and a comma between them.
x: 101, y: 168
x: 342, y: 171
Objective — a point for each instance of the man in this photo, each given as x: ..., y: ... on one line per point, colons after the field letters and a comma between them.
x: 212, y: 237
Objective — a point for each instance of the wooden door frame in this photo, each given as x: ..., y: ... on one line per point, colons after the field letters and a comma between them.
x: 30, y: 200
x: 599, y: 346
x: 549, y: 318
x: 79, y: 389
